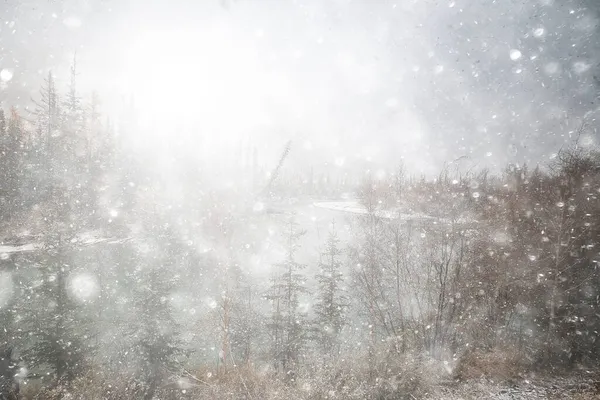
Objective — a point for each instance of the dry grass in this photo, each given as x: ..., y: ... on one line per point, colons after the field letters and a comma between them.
x: 28, y: 390
x: 483, y: 375
x: 498, y: 365
x: 396, y: 378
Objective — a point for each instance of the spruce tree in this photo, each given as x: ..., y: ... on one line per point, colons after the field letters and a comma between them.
x: 11, y: 159
x: 9, y: 333
x: 70, y: 151
x: 47, y: 113
x: 331, y: 300
x: 155, y: 332
x: 56, y: 320
x: 287, y: 320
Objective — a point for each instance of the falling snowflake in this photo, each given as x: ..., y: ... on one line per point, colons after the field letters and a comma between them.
x: 515, y: 54
x: 6, y: 74
x: 539, y: 32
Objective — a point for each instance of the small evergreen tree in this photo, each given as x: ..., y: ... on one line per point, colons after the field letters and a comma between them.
x: 56, y: 321
x: 47, y: 113
x: 60, y: 328
x: 70, y: 152
x: 331, y: 300
x: 43, y: 159
x: 287, y: 321
x: 155, y: 331
x: 11, y: 156
x: 9, y: 333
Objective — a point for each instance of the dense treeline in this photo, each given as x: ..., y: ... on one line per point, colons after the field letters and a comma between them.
x: 508, y: 262
x: 120, y: 293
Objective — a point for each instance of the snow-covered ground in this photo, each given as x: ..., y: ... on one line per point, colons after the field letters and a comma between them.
x: 84, y: 239
x: 8, y: 249
x: 354, y: 207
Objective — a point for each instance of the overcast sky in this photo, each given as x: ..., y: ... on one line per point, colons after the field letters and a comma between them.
x: 429, y: 81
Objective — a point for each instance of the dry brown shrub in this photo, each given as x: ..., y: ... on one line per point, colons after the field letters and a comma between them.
x: 28, y: 389
x: 395, y: 377
x: 496, y: 364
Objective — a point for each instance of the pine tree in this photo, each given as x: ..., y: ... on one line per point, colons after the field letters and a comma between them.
x: 287, y: 321
x: 47, y: 113
x: 43, y: 158
x: 70, y: 151
x: 155, y: 332
x: 100, y: 141
x: 246, y: 325
x: 331, y: 300
x: 60, y: 327
x: 99, y: 154
x: 11, y: 156
x: 73, y: 117
x: 9, y: 333
x: 55, y: 320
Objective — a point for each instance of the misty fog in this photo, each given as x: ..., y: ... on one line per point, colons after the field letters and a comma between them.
x: 335, y: 199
